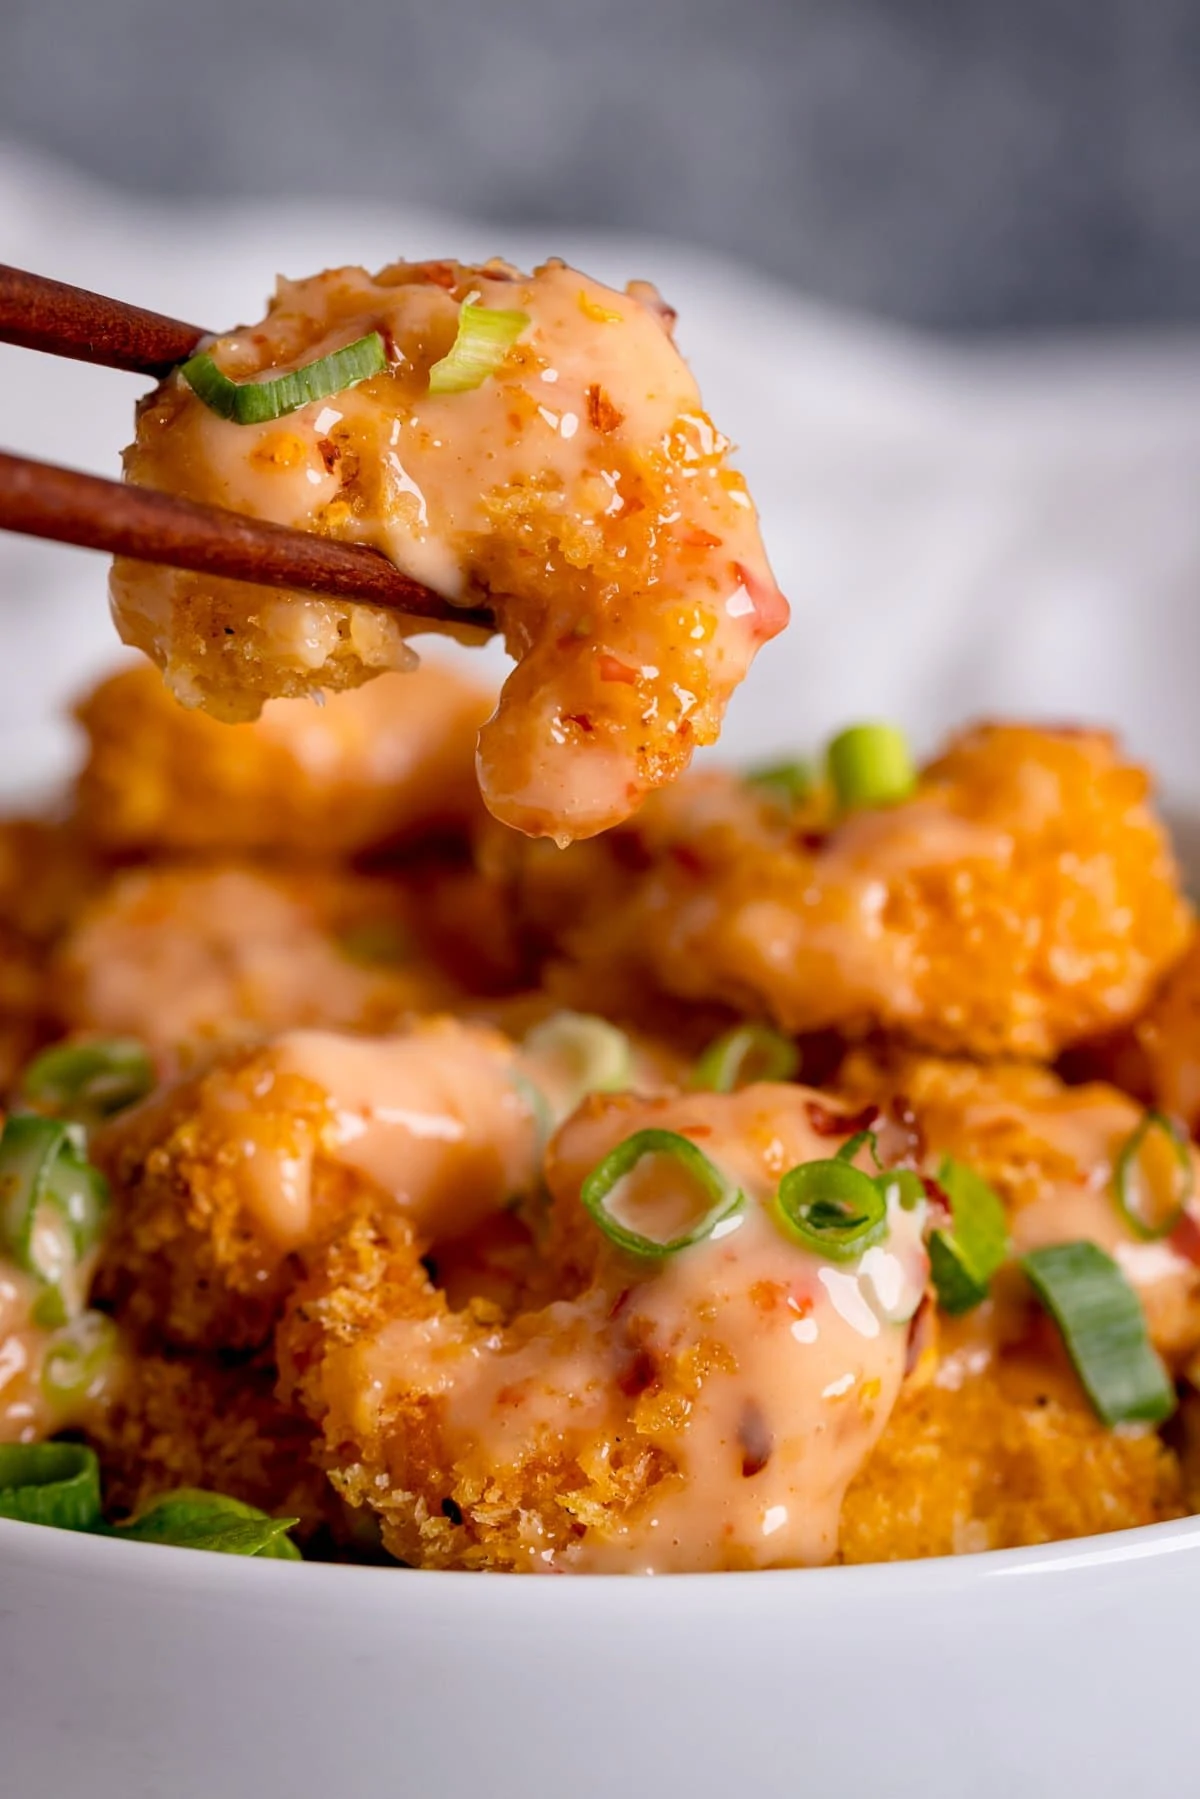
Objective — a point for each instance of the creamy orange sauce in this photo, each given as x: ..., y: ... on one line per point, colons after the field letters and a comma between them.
x: 580, y: 491
x: 433, y: 1117
x: 29, y: 1410
x: 780, y: 1368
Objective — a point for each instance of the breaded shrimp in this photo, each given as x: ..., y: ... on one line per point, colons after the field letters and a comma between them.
x: 190, y: 1421
x: 177, y: 954
x: 704, y: 1411
x: 577, y: 489
x: 1008, y: 1456
x: 1024, y: 897
x: 225, y: 1184
x: 1049, y: 1152
x: 392, y: 763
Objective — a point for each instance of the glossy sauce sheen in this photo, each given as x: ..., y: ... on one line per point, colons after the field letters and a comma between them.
x: 581, y: 491
x: 432, y: 1117
x: 783, y: 1367
x: 28, y: 1413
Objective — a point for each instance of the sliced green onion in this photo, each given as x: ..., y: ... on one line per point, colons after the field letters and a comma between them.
x: 903, y: 1186
x: 50, y: 1483
x: 603, y: 1185
x: 75, y: 1359
x: 860, y: 1140
x: 52, y: 1201
x: 577, y: 1054
x: 1133, y: 1183
x: 89, y: 1081
x: 790, y: 783
x: 870, y: 765
x: 1104, y: 1330
x: 752, y: 1052
x: 256, y: 401
x: 193, y: 1519
x: 483, y: 340
x: 833, y: 1209
x: 964, y: 1257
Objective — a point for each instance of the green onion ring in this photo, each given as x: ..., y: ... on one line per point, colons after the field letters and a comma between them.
x: 74, y: 1360
x: 752, y: 1052
x: 599, y: 1185
x: 256, y: 401
x: 870, y: 765
x: 964, y: 1257
x: 89, y: 1081
x: 481, y: 344
x: 788, y: 783
x: 833, y: 1209
x: 50, y: 1483
x: 596, y: 1056
x: 1124, y: 1168
x: 1103, y: 1328
x: 860, y: 1140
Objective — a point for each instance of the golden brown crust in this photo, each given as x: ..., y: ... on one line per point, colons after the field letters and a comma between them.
x: 1024, y: 898
x: 387, y: 764
x: 979, y: 1466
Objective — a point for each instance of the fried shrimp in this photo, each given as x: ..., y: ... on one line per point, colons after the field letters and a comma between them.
x: 1009, y: 1456
x: 1050, y: 1151
x: 178, y: 955
x: 576, y: 488
x: 1157, y: 1058
x: 705, y: 1409
x: 228, y: 1181
x: 1023, y: 897
x: 392, y: 763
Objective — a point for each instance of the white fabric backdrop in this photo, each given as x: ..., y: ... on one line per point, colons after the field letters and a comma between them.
x: 960, y: 531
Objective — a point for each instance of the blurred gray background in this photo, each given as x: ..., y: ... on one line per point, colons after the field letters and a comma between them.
x: 959, y: 164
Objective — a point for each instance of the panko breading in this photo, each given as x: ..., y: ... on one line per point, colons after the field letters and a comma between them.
x: 997, y: 1463
x: 579, y: 492
x: 1048, y: 1150
x: 706, y: 1411
x: 189, y: 1421
x: 1023, y: 898
x: 388, y: 764
x: 177, y: 955
x: 229, y: 1180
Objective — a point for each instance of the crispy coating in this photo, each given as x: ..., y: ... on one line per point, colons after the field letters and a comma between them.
x: 389, y: 764
x: 179, y: 954
x: 1023, y: 898
x: 666, y: 1416
x: 225, y: 1183
x: 997, y: 1462
x: 191, y: 1421
x: 1048, y: 1150
x: 600, y: 525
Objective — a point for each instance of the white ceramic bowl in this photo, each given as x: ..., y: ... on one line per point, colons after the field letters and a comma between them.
x: 136, y: 1672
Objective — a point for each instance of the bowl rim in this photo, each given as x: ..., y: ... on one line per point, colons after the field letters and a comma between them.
x: 167, y: 1569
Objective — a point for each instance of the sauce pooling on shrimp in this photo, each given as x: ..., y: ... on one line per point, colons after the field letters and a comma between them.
x: 579, y: 490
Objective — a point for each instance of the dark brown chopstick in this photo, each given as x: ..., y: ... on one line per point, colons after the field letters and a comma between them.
x: 38, y: 499
x: 39, y: 314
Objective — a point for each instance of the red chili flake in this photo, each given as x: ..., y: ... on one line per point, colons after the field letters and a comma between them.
x: 613, y: 669
x: 581, y: 719
x: 1185, y: 1239
x: 699, y: 539
x: 619, y: 1303
x: 757, y: 1442
x: 439, y: 274
x: 812, y: 841
x: 329, y: 453
x: 828, y: 1123
x: 602, y: 414
x: 943, y: 1212
x: 641, y: 1373
x: 686, y: 857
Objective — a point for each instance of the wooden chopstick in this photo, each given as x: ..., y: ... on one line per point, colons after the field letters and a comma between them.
x: 39, y: 314
x: 38, y: 499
